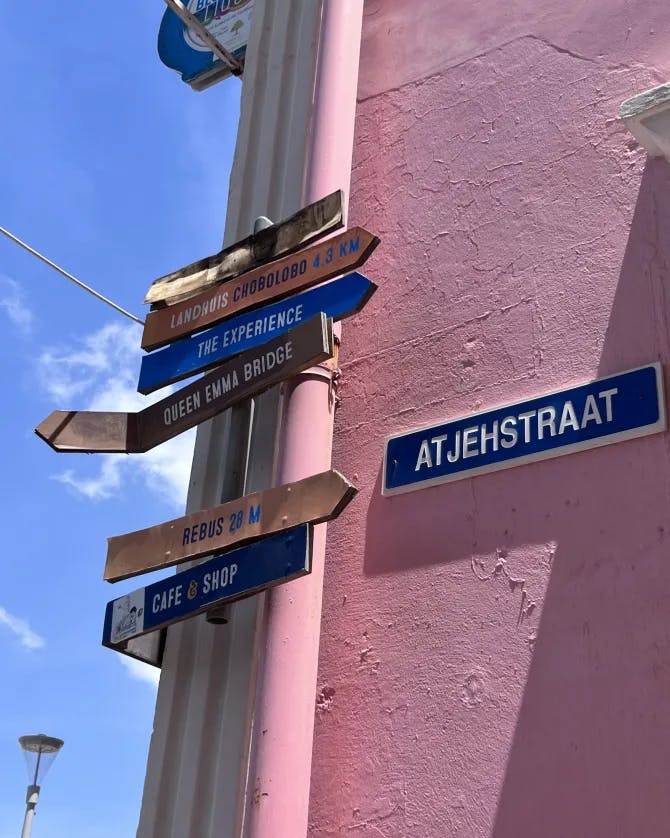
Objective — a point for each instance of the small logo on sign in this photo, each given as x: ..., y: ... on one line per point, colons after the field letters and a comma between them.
x: 227, y: 20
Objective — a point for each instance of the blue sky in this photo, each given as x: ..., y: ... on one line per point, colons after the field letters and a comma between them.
x: 118, y: 171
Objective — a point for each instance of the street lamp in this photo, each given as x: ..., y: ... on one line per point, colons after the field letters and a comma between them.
x: 40, y: 751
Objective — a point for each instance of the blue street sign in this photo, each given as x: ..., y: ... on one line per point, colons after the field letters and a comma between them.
x: 180, y: 49
x: 612, y: 409
x: 337, y: 299
x: 246, y: 570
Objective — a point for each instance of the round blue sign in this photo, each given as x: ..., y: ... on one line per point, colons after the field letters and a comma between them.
x: 182, y: 50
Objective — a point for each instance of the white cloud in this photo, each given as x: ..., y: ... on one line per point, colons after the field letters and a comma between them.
x: 102, y: 361
x: 101, y: 373
x: 167, y: 468
x: 102, y: 486
x: 21, y: 629
x: 140, y: 671
x: 13, y: 303
x: 164, y: 470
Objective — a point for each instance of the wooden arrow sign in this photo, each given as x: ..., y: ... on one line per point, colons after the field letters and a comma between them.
x: 338, y: 299
x: 304, y: 227
x: 312, y: 500
x: 250, y: 373
x: 331, y: 258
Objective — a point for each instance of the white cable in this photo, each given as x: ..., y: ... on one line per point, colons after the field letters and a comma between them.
x: 69, y: 276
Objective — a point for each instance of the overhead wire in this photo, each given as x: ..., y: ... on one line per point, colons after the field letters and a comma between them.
x: 235, y: 67
x: 69, y: 276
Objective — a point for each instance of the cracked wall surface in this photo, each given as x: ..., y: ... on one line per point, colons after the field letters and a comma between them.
x: 495, y: 652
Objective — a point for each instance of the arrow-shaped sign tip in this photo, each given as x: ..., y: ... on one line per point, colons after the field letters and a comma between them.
x: 347, y: 493
x: 52, y: 426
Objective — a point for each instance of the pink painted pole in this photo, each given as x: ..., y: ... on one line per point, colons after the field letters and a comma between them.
x: 279, y: 780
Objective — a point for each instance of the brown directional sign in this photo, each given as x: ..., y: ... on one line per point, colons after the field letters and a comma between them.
x: 312, y: 500
x: 247, y: 374
x: 323, y: 261
x: 304, y: 227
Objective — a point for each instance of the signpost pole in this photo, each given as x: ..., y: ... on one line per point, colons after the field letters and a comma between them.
x: 280, y: 766
x: 220, y: 615
x: 197, y: 769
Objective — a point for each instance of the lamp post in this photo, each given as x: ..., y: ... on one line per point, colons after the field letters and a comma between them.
x: 40, y: 751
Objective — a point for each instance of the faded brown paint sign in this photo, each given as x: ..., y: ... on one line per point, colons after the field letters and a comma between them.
x: 90, y: 431
x: 312, y: 500
x: 251, y: 372
x: 304, y: 227
x: 273, y: 281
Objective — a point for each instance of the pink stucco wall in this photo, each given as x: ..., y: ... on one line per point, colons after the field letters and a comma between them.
x: 495, y: 652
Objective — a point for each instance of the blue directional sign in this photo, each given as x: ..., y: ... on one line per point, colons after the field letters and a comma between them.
x: 337, y: 299
x: 240, y: 572
x: 180, y: 49
x: 612, y: 409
